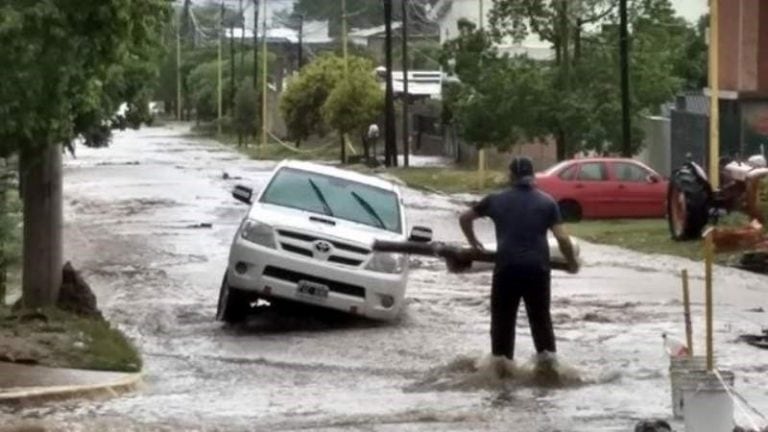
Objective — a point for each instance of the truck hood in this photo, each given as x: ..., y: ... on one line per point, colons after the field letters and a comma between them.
x: 299, y: 220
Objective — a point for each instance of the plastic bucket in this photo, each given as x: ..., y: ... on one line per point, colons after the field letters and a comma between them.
x: 679, y: 366
x: 707, y: 406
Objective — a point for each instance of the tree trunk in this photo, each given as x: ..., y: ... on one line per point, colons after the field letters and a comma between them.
x: 560, y: 145
x: 343, y: 148
x: 41, y: 175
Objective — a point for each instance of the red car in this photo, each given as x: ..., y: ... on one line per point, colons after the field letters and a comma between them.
x: 605, y: 188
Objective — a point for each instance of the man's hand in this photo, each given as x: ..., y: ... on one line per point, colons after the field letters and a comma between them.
x: 466, y: 221
x: 476, y: 245
x: 566, y: 247
x: 573, y: 267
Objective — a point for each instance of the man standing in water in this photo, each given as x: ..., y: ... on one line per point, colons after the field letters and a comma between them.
x: 522, y: 215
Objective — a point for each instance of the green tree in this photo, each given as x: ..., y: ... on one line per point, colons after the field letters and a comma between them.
x: 353, y: 104
x: 302, y: 101
x: 57, y: 58
x: 246, y: 109
x: 573, y: 98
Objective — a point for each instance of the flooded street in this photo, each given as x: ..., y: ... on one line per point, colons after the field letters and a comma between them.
x: 137, y: 216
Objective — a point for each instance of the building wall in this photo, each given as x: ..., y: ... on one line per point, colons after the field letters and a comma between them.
x: 743, y: 45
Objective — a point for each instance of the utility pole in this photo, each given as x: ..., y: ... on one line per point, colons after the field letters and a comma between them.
x: 256, y: 45
x: 390, y: 145
x: 480, y: 15
x: 264, y: 78
x: 219, y: 71
x: 406, y: 96
x: 301, y: 41
x: 242, y: 38
x: 626, y: 121
x: 344, y: 33
x: 714, y: 97
x: 233, y: 84
x: 178, y: 70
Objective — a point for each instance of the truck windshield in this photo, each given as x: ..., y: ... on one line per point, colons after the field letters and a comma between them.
x: 336, y: 197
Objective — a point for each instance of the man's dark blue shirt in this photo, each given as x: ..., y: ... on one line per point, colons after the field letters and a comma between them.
x: 522, y: 215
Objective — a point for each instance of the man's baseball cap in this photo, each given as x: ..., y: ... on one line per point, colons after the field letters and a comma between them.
x: 521, y: 167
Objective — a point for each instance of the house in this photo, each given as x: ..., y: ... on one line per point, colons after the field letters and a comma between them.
x: 448, y: 13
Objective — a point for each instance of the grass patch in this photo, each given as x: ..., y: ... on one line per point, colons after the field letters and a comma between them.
x: 56, y: 338
x: 649, y: 236
x: 444, y: 180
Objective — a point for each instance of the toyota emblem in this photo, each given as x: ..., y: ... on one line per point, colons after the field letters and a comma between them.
x: 322, y: 246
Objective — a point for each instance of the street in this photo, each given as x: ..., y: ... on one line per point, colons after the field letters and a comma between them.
x: 133, y: 215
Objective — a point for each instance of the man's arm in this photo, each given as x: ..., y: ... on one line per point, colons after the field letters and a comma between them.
x: 566, y: 247
x: 467, y: 223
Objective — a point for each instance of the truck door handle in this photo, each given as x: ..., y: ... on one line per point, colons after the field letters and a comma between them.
x: 621, y: 186
x: 579, y: 186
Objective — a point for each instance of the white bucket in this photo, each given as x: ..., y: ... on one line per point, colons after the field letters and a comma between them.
x: 678, y: 366
x: 707, y: 406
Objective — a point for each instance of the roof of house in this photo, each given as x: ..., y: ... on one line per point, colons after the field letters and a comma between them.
x: 373, y: 31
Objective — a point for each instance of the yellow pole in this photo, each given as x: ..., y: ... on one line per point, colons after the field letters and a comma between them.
x: 220, y: 87
x: 481, y: 167
x: 264, y: 79
x: 687, y: 309
x: 714, y: 88
x: 344, y: 34
x: 709, y: 257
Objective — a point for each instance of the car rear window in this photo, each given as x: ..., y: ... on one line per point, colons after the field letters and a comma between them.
x: 336, y: 197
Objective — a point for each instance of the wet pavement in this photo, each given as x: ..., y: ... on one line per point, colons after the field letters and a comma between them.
x: 136, y: 225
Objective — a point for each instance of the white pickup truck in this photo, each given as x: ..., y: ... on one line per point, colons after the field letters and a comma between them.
x: 307, y: 238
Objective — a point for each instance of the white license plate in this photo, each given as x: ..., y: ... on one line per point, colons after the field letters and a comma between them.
x: 312, y: 289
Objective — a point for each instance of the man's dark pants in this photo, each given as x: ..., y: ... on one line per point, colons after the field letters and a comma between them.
x: 510, y: 285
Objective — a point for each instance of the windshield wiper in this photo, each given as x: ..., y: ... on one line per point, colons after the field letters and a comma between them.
x: 369, y: 209
x: 321, y: 197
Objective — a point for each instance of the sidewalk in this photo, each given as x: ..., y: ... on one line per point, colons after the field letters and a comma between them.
x: 23, y: 384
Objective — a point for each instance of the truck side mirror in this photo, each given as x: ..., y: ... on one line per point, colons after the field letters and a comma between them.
x: 421, y: 234
x: 243, y: 194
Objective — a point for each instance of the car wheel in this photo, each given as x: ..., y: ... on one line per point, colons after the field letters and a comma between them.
x: 570, y: 211
x: 234, y: 304
x: 687, y: 213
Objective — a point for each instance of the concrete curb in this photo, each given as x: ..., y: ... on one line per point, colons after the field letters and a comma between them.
x: 23, y: 396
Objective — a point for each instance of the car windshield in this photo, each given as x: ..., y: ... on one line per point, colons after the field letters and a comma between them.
x: 336, y: 197
x: 554, y: 169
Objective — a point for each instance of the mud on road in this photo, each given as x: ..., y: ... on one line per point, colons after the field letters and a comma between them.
x: 149, y: 221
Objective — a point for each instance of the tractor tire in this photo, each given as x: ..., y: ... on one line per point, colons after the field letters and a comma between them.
x: 687, y: 211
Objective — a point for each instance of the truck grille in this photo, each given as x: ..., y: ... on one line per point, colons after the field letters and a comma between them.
x: 295, y: 277
x: 302, y: 244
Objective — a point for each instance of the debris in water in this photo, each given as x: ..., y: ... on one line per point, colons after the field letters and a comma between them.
x: 201, y: 225
x: 653, y: 426
x: 759, y: 341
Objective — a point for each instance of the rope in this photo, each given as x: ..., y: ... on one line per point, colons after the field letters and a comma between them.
x: 295, y: 150
x: 740, y: 402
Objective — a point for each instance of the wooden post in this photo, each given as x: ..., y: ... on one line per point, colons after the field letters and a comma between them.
x: 481, y: 167
x: 709, y: 257
x: 687, y: 312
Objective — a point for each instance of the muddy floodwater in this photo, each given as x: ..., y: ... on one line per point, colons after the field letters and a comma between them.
x: 137, y: 216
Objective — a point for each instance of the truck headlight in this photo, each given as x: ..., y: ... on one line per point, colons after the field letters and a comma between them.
x: 258, y: 233
x: 386, y: 263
